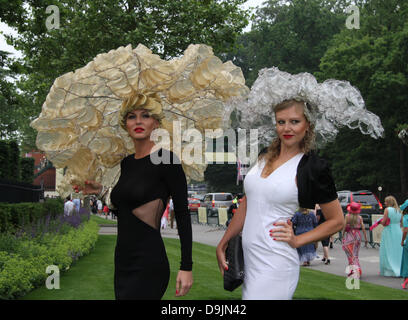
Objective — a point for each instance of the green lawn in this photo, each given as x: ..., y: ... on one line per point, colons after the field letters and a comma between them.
x: 92, y: 278
x: 101, y: 220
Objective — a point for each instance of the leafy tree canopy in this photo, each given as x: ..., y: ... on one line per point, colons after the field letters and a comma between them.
x: 292, y: 35
x: 8, y: 101
x: 89, y: 27
x: 374, y: 59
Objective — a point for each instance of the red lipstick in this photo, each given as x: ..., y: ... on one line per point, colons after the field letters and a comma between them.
x: 139, y: 130
x: 287, y: 136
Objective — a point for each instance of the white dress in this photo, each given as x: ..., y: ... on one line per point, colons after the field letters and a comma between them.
x: 271, y: 267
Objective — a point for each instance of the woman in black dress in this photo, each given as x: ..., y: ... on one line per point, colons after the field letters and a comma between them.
x: 140, y: 197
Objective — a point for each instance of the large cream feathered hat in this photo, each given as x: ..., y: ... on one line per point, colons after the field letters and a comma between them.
x: 80, y: 127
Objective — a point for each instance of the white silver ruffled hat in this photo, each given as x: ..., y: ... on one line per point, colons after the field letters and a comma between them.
x: 330, y: 105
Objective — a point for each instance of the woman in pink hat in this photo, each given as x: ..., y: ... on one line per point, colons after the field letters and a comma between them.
x: 352, y: 237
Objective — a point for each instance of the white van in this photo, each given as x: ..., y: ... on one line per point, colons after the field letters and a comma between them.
x: 217, y: 200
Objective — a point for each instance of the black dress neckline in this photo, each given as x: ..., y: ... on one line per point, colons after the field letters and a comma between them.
x: 133, y: 155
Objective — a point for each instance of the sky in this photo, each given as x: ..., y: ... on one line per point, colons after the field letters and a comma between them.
x: 3, y: 45
x: 7, y: 30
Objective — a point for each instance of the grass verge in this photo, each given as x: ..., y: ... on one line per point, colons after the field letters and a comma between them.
x: 91, y: 278
x: 103, y: 221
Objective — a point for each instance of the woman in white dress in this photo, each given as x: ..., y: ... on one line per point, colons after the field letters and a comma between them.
x: 269, y: 244
x: 298, y: 112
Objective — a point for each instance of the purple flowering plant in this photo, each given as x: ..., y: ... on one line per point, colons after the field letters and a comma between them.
x: 52, y: 223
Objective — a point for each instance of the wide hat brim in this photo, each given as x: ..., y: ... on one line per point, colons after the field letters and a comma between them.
x: 354, y: 208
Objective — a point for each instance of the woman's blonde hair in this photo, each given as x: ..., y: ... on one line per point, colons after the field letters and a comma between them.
x: 306, y: 145
x: 141, y: 100
x: 393, y: 202
x: 354, y: 218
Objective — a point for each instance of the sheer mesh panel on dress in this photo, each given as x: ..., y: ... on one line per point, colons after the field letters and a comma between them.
x: 150, y: 213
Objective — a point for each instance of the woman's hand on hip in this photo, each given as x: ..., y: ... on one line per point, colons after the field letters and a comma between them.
x: 283, y: 231
x: 184, y: 282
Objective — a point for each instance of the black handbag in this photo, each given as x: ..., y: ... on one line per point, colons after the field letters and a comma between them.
x: 234, y: 276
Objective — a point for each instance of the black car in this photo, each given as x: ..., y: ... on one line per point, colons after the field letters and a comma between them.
x: 368, y: 200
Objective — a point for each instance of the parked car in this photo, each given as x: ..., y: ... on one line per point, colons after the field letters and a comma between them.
x: 344, y: 197
x: 200, y: 196
x: 193, y: 205
x: 370, y: 204
x: 213, y: 201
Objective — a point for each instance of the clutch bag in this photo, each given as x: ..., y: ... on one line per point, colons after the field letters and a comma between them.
x: 234, y: 276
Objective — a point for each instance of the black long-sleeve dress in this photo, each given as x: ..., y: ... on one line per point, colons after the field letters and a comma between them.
x: 140, y: 197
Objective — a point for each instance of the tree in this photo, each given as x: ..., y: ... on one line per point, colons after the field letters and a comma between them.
x: 374, y: 59
x: 291, y: 35
x: 222, y: 178
x: 402, y: 133
x: 89, y: 27
x: 8, y: 102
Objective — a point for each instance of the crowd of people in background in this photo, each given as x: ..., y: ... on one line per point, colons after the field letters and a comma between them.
x: 71, y: 206
x: 393, y: 252
x: 97, y: 206
x: 100, y: 208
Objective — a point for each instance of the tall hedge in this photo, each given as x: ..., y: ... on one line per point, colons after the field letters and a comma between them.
x: 14, y: 161
x: 16, y: 215
x: 4, y: 160
x: 27, y: 170
x: 12, y: 166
